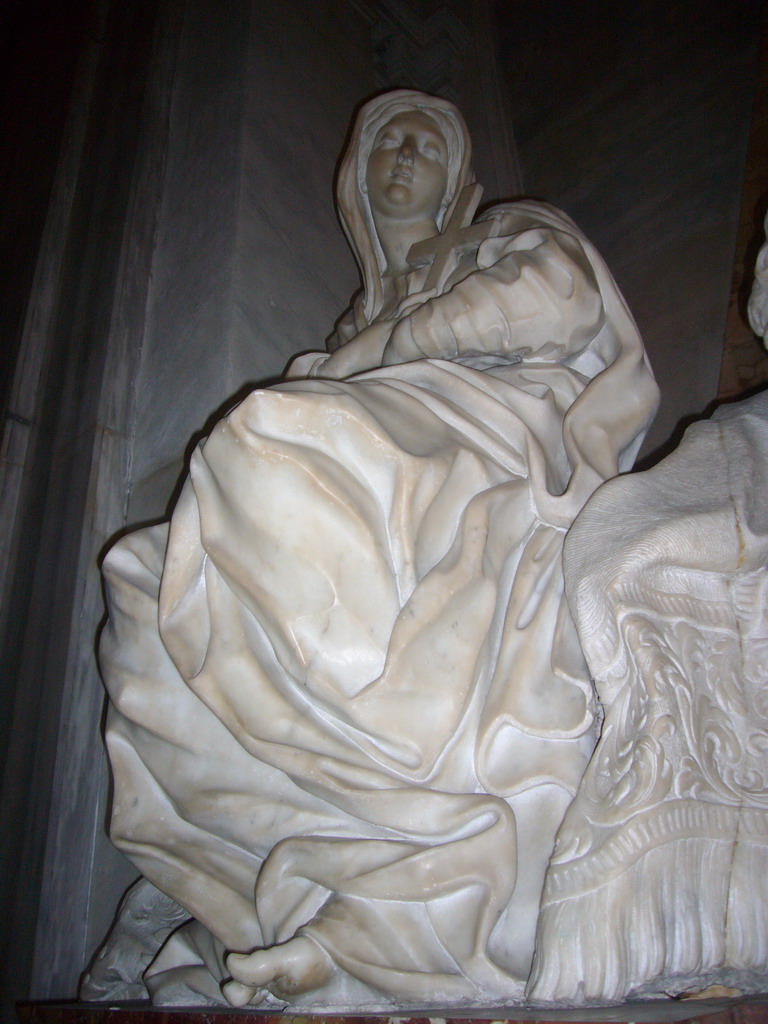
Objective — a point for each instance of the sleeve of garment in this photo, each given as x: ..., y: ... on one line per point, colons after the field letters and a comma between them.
x: 346, y: 330
x: 534, y: 295
x: 308, y: 364
x: 311, y: 364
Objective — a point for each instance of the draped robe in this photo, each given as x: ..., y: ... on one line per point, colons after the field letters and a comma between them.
x: 346, y: 696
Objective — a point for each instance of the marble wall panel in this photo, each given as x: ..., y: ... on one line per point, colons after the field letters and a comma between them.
x: 295, y: 273
x: 185, y: 334
x: 98, y: 325
x: 78, y: 798
x: 165, y: 337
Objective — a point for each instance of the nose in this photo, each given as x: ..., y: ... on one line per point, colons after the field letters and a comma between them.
x: 405, y: 153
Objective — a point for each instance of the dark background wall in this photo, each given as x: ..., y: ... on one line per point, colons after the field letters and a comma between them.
x: 69, y: 173
x: 40, y: 42
x: 634, y: 118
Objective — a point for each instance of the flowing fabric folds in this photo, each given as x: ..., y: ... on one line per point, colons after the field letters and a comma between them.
x: 349, y: 704
x: 359, y: 600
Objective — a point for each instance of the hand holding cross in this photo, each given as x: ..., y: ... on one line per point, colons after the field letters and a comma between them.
x: 458, y: 236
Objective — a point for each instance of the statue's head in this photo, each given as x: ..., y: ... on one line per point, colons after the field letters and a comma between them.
x: 406, y: 174
x: 385, y: 129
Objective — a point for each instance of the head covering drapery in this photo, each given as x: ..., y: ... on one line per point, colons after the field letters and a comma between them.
x: 354, y: 209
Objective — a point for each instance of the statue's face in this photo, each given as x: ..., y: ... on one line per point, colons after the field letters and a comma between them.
x: 407, y: 172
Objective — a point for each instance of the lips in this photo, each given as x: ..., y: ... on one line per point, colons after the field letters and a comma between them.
x: 403, y: 175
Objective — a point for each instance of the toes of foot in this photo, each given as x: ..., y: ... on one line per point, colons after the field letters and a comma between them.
x: 238, y: 994
x: 250, y: 968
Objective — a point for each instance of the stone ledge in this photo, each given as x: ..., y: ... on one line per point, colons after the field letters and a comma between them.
x: 753, y: 1010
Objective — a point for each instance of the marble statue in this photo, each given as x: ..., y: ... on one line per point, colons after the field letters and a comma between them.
x: 349, y: 707
x: 660, y: 877
x: 758, y: 300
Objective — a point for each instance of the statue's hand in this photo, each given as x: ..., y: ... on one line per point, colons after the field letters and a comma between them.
x: 287, y: 970
x: 412, y: 302
x: 361, y: 353
x: 401, y: 347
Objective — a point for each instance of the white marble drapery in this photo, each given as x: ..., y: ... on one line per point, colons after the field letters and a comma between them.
x: 365, y: 701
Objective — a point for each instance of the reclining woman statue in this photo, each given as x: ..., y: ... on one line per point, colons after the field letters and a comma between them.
x: 348, y: 705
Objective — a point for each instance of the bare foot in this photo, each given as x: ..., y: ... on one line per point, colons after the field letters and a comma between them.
x: 296, y: 966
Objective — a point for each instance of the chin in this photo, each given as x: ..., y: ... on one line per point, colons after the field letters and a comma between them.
x: 398, y: 194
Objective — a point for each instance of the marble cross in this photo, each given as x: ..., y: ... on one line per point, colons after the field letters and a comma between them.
x: 458, y: 236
